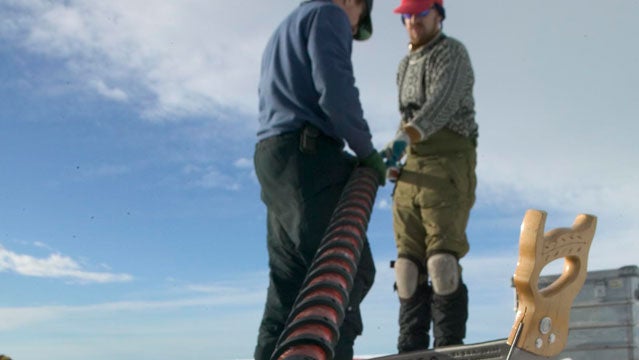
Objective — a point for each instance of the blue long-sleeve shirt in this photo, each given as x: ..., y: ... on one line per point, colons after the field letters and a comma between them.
x: 307, y: 76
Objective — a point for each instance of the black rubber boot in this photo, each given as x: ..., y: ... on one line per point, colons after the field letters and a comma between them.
x: 450, y: 313
x: 414, y: 320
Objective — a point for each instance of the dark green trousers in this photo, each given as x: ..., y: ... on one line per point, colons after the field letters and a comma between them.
x: 300, y: 191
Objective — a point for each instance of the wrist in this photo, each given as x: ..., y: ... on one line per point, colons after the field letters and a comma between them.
x: 414, y: 133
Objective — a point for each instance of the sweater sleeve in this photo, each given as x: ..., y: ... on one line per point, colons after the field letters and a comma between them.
x: 452, y: 75
x: 329, y: 47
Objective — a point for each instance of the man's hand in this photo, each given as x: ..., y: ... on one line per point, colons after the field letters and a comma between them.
x: 375, y: 162
x: 394, y: 151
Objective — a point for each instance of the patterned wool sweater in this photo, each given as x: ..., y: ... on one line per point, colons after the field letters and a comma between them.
x: 435, y: 85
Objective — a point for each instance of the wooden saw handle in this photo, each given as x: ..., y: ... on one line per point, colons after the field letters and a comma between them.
x: 545, y: 313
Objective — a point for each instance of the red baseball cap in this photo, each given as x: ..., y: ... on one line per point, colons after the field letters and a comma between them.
x: 416, y: 6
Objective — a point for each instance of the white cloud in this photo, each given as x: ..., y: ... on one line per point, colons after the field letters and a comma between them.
x: 103, y: 170
x: 54, y: 266
x: 241, y: 292
x: 214, y: 179
x: 384, y: 204
x: 42, y: 245
x: 169, y: 57
x: 194, y: 333
x: 13, y: 318
x: 109, y: 92
x: 244, y: 163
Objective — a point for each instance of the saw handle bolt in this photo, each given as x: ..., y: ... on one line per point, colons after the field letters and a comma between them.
x: 545, y: 325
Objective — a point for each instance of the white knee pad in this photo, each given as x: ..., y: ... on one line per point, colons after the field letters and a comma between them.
x: 406, y: 277
x: 444, y: 273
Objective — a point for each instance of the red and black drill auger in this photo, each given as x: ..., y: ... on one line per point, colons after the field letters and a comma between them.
x: 312, y: 329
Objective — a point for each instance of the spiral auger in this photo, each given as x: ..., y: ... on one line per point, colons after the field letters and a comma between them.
x: 312, y: 328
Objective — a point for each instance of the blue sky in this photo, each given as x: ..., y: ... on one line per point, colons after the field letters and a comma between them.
x: 130, y: 220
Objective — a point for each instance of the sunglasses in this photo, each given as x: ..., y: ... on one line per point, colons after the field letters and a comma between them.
x: 420, y: 15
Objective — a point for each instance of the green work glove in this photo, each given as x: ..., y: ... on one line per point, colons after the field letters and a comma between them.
x: 375, y: 162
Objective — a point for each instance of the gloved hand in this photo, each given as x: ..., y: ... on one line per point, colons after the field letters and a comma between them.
x: 375, y: 162
x: 394, y: 151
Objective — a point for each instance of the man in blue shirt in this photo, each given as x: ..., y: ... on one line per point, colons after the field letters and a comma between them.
x: 309, y: 108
